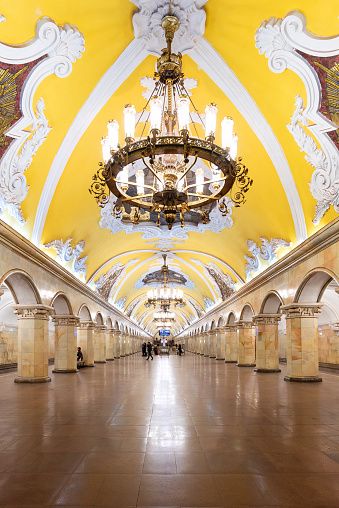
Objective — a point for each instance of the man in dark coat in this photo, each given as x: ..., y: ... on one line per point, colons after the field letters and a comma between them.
x: 143, y: 349
x: 149, y: 351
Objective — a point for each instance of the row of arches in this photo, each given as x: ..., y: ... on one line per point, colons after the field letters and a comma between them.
x: 37, y: 327
x: 303, y: 330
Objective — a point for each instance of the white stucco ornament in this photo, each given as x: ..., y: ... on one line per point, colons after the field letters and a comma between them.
x: 283, y: 41
x: 56, y: 49
x: 262, y: 255
x: 147, y: 23
x: 70, y: 257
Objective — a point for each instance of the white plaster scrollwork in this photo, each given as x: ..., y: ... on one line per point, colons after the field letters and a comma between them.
x: 325, y: 178
x: 57, y: 48
x: 13, y: 187
x: 267, y: 252
x: 147, y: 23
x: 280, y: 40
x: 69, y: 256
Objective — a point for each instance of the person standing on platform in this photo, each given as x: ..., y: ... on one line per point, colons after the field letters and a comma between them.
x: 149, y: 351
x: 179, y: 349
x: 143, y: 349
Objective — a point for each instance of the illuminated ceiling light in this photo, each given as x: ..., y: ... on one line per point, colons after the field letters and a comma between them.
x: 163, y: 316
x: 163, y: 187
x: 164, y: 296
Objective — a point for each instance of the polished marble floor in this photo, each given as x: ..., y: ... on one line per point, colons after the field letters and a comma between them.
x: 178, y: 432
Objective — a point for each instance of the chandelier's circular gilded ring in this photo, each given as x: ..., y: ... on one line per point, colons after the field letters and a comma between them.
x: 147, y: 148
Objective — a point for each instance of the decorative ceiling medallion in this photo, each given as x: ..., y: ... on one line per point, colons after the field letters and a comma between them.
x: 70, y: 257
x: 286, y: 43
x: 262, y: 256
x: 147, y: 22
x: 53, y: 51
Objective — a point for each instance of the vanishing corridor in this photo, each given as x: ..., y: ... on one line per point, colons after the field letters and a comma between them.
x: 179, y: 431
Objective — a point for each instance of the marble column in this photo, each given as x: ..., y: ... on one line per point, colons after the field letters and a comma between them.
x: 302, y: 342
x: 99, y: 340
x: 267, y: 345
x: 110, y: 344
x: 246, y: 344
x: 231, y: 344
x: 32, y: 343
x: 221, y: 342
x: 206, y: 342
x: 334, y: 344
x: 117, y: 349
x: 85, y: 341
x: 65, y: 343
x: 213, y: 343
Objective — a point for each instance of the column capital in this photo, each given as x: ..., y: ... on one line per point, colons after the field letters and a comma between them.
x: 86, y: 324
x: 65, y: 320
x: 266, y: 319
x: 35, y: 311
x: 230, y: 328
x: 335, y: 328
x: 244, y: 324
x: 301, y: 310
x: 100, y: 328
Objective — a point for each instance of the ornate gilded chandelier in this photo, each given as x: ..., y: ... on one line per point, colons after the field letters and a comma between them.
x: 164, y: 296
x: 167, y: 173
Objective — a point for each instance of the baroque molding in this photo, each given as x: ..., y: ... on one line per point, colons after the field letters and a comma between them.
x: 65, y: 320
x: 282, y: 41
x: 55, y: 49
x: 36, y: 311
x: 302, y: 310
x: 13, y: 185
x: 147, y: 23
x: 68, y: 255
x: 266, y: 319
x: 267, y: 252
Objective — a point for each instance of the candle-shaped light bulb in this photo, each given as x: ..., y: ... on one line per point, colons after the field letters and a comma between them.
x: 140, y: 181
x: 234, y: 147
x: 183, y: 111
x: 210, y: 120
x: 129, y: 121
x: 199, y: 180
x: 113, y: 134
x: 226, y: 132
x: 156, y: 113
x: 106, y: 152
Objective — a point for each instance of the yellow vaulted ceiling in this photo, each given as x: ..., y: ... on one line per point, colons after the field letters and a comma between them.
x: 73, y: 213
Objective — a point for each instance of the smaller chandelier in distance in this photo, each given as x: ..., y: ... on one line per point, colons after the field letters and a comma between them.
x: 164, y: 296
x: 167, y: 172
x: 163, y: 316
